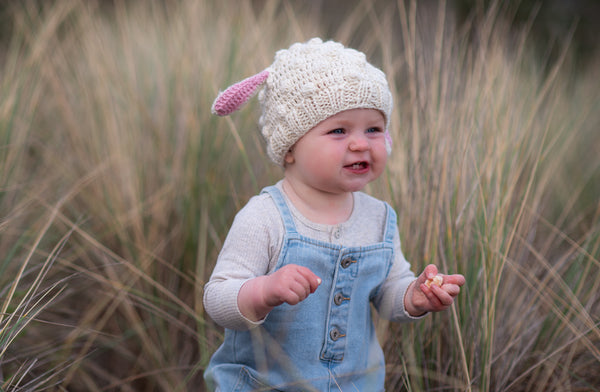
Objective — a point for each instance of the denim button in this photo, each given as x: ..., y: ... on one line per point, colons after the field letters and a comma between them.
x: 339, y: 298
x: 346, y: 262
x: 335, y: 334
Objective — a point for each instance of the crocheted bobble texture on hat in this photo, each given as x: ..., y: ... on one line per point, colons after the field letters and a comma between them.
x: 312, y: 81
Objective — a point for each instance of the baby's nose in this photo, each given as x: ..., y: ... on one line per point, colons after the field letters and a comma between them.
x: 358, y: 142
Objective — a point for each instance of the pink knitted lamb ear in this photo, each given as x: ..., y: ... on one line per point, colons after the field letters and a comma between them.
x: 388, y: 141
x: 236, y: 95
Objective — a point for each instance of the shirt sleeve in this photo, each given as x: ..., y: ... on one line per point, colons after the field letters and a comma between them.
x: 390, y: 301
x: 248, y: 251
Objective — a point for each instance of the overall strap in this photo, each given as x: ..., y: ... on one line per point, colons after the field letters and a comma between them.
x: 284, y: 211
x: 390, y: 224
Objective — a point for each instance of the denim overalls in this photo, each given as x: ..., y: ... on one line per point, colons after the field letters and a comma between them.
x: 326, y: 342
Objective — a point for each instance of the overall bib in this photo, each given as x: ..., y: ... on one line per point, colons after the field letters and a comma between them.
x: 326, y: 342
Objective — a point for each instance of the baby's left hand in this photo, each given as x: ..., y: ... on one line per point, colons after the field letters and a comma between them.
x: 421, y: 298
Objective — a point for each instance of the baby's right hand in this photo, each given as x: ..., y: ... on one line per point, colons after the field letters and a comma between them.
x: 290, y: 284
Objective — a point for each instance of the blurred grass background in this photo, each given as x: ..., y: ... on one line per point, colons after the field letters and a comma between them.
x: 117, y: 185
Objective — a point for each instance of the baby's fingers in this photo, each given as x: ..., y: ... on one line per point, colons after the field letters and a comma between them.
x: 295, y: 283
x: 306, y: 276
x: 456, y: 279
x: 443, y: 295
x: 295, y: 293
x: 452, y: 289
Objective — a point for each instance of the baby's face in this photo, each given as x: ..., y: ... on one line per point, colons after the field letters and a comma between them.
x: 342, y: 153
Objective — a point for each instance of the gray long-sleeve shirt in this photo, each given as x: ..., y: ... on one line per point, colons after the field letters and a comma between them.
x: 254, y: 242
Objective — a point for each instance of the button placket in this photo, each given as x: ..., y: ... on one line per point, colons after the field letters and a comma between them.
x: 341, y: 292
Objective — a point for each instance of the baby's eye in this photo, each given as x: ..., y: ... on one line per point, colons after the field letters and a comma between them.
x: 374, y: 130
x: 338, y: 131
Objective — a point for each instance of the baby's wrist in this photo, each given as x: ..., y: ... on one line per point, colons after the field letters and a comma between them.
x: 409, y: 306
x: 251, y: 299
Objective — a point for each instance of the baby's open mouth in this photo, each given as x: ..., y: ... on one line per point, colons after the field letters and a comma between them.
x: 358, y: 165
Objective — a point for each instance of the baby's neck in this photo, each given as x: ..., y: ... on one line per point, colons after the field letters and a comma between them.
x: 318, y: 206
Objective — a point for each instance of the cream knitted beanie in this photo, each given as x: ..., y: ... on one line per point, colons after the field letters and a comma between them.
x: 305, y: 85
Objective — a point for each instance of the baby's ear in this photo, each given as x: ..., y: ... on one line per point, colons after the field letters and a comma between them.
x: 288, y: 158
x: 236, y: 95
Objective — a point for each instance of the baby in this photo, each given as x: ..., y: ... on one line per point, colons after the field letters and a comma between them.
x: 305, y: 259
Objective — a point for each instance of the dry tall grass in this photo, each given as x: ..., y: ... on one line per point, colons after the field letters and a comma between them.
x: 117, y: 186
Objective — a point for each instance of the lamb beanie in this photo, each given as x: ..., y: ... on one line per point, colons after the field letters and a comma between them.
x: 305, y: 85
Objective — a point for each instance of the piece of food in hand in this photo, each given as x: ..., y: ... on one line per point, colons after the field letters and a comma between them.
x: 436, y: 280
